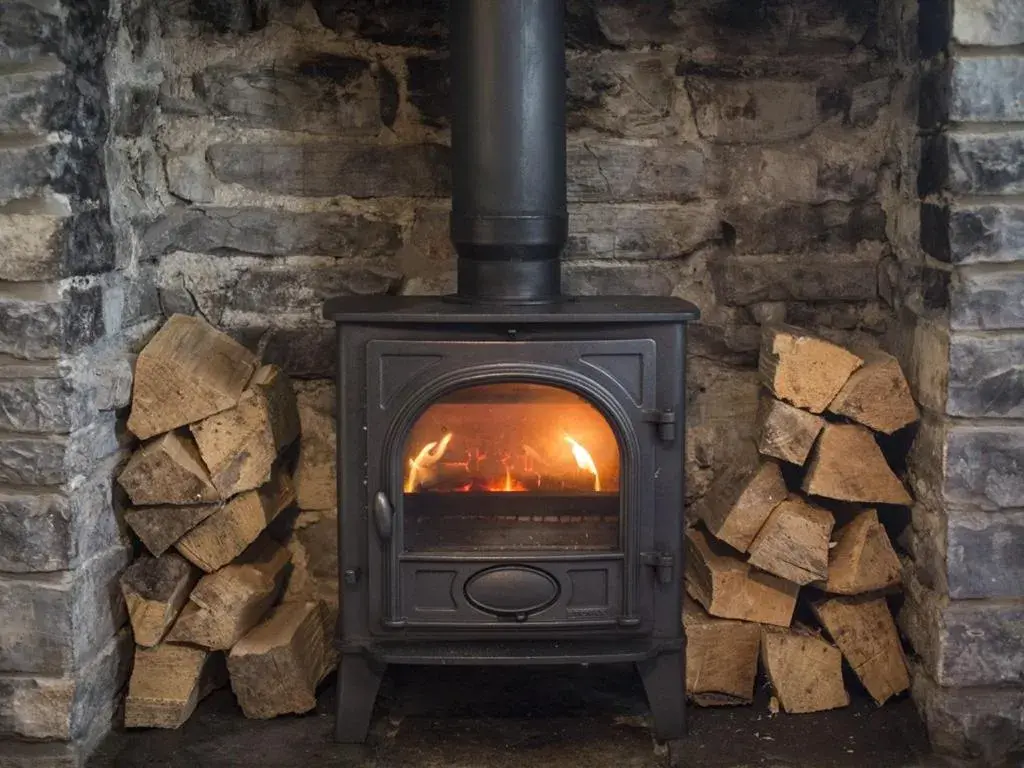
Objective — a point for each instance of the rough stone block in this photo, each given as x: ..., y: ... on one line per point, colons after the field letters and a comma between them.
x: 44, y: 531
x: 626, y: 94
x: 42, y: 321
x: 985, y: 465
x: 634, y: 232
x: 246, y: 291
x: 55, y: 624
x: 986, y: 376
x: 330, y: 168
x: 987, y: 89
x: 321, y: 94
x: 28, y: 95
x: 744, y: 279
x: 419, y: 23
x: 25, y: 166
x: 981, y: 299
x: 973, y: 234
x: 307, y: 349
x: 65, y: 708
x: 750, y: 112
x: 29, y: 28
x: 760, y: 229
x: 636, y: 279
x: 266, y: 232
x: 988, y: 22
x: 985, y: 554
x: 603, y: 171
x: 55, y: 459
x: 965, y: 643
x: 985, y: 163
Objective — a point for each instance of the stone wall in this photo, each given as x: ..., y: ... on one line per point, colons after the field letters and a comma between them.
x: 965, y: 608
x: 736, y: 154
x: 71, y: 309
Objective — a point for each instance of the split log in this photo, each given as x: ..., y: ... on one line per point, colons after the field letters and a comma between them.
x: 794, y: 542
x: 739, y: 502
x: 168, y: 470
x: 804, y: 670
x: 721, y: 657
x: 802, y: 369
x: 276, y: 668
x: 155, y: 590
x: 786, y: 432
x: 241, y: 444
x: 226, y: 533
x: 848, y: 465
x: 877, y: 395
x: 159, y: 528
x: 863, y: 559
x: 168, y: 682
x: 865, y: 632
x: 227, y: 604
x: 729, y: 588
x: 188, y: 371
x: 316, y: 483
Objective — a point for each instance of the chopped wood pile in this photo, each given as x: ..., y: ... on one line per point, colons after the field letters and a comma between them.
x: 788, y: 561
x: 236, y: 583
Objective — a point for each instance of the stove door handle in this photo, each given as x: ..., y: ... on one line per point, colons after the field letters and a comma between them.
x: 383, y: 515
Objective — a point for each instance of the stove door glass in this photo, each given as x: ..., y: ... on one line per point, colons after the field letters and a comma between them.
x: 511, y: 466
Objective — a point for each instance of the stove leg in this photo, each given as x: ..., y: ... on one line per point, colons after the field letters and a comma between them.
x: 358, y: 682
x: 666, y: 694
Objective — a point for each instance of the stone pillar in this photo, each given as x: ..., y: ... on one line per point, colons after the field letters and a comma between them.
x: 965, y: 607
x: 69, y: 307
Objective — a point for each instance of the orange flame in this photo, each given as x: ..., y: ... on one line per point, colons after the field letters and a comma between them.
x: 425, y: 459
x: 584, y: 461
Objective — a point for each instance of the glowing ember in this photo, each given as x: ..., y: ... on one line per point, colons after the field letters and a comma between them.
x: 425, y: 460
x: 584, y: 461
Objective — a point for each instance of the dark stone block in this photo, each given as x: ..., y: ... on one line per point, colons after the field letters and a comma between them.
x: 26, y: 167
x: 984, y: 725
x: 987, y: 89
x: 757, y: 229
x: 744, y: 111
x: 308, y: 352
x: 745, y: 279
x: 935, y: 288
x: 30, y: 95
x: 329, y: 169
x: 40, y: 405
x: 29, y: 29
x: 639, y: 233
x: 54, y: 625
x: 985, y: 555
x: 43, y: 324
x: 935, y: 231
x: 430, y: 88
x: 985, y: 465
x: 933, y: 174
x: 608, y: 171
x: 266, y: 232
x: 984, y: 300
x: 986, y: 376
x: 135, y: 110
x: 981, y: 643
x: 35, y: 460
x: 988, y: 22
x: 88, y: 244
x: 322, y: 94
x: 421, y: 23
x: 237, y: 16
x: 935, y: 18
x: 637, y: 279
x: 933, y: 103
x: 986, y: 163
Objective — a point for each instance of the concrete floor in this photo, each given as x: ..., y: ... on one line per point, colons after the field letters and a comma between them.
x: 506, y: 718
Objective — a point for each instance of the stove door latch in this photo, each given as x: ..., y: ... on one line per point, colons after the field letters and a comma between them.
x: 665, y: 421
x: 663, y: 564
x: 383, y: 515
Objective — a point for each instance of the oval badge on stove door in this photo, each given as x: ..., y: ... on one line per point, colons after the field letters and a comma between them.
x: 512, y: 590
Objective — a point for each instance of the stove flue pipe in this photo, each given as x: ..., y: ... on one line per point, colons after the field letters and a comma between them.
x: 509, y: 221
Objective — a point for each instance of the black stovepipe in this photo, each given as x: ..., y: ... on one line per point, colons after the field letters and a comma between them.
x: 509, y: 221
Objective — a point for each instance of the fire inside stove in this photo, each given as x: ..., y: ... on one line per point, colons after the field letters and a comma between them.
x: 511, y: 466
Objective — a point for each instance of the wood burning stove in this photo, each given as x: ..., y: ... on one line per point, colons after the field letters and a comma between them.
x: 510, y: 460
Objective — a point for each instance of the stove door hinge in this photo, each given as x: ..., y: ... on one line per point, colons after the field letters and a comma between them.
x: 665, y: 421
x: 663, y: 564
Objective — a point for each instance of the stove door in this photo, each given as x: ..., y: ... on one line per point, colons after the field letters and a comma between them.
x: 509, y: 492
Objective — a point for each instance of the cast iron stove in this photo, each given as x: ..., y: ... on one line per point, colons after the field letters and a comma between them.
x: 510, y: 459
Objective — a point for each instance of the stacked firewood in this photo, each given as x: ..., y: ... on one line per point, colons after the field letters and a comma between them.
x: 218, y: 592
x: 800, y: 534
